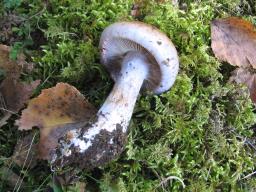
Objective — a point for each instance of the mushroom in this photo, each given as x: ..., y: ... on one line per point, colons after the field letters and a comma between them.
x: 137, y: 55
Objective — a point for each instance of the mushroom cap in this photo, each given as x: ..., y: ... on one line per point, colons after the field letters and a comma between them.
x: 121, y: 37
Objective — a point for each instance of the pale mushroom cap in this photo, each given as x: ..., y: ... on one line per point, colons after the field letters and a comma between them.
x: 122, y: 37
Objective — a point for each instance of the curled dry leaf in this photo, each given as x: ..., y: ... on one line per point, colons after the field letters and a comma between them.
x: 11, y: 68
x: 55, y: 111
x: 234, y: 41
x: 135, y: 11
x: 13, y: 93
x: 16, y: 93
x: 246, y: 77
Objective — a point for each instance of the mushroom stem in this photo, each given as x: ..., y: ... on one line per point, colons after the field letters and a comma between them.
x: 118, y: 107
x: 111, y: 122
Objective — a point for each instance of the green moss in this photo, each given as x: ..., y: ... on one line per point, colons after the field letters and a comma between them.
x: 197, y: 131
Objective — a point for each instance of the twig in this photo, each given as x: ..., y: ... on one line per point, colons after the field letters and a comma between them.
x: 18, y: 184
x: 2, y: 101
x: 249, y: 175
x: 9, y: 111
x: 163, y: 182
x: 4, y: 119
x: 38, y: 13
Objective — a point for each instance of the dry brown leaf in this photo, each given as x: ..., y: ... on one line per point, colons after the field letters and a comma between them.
x: 246, y: 77
x: 11, y: 68
x: 55, y: 111
x: 234, y: 41
x: 15, y: 93
x: 135, y: 11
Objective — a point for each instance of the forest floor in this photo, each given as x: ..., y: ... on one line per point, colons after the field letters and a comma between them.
x: 196, y: 137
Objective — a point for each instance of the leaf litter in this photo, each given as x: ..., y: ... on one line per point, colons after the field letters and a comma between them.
x: 61, y: 108
x: 234, y: 41
x: 55, y: 111
x: 14, y: 94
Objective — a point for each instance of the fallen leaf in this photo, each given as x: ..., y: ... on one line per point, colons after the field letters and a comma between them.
x: 11, y: 68
x: 244, y: 76
x: 13, y: 93
x: 234, y: 41
x: 55, y: 111
x: 135, y: 11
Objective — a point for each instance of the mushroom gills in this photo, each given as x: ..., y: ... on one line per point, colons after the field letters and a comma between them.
x: 120, y: 47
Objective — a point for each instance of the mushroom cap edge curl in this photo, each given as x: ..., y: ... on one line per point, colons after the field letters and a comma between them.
x: 122, y: 37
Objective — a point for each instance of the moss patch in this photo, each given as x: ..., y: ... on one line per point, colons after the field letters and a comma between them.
x: 198, y: 131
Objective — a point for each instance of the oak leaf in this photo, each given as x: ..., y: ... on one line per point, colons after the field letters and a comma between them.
x: 55, y: 111
x: 234, y: 41
x: 13, y: 93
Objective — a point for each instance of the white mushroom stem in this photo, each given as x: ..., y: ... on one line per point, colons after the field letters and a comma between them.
x: 118, y: 107
x: 117, y: 110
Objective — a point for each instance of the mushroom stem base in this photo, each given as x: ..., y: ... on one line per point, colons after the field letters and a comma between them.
x: 102, y: 140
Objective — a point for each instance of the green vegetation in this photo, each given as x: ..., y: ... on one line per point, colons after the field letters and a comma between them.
x: 198, y: 133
